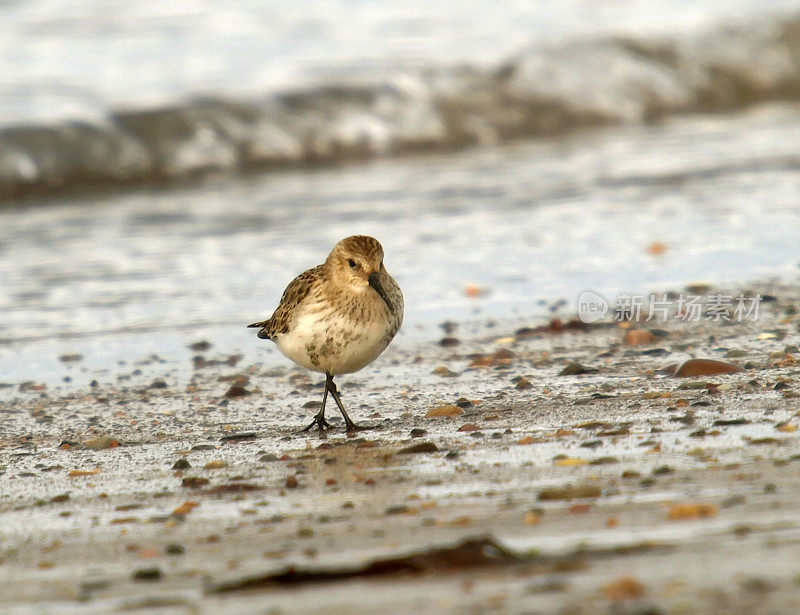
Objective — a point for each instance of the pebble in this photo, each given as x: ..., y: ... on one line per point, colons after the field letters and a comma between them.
x: 705, y: 367
x: 682, y: 512
x: 147, y: 574
x: 637, y: 337
x: 575, y: 369
x: 70, y: 358
x: 238, y: 436
x: 237, y: 391
x: 101, y: 443
x: 216, y: 464
x: 194, y: 482
x: 570, y: 492
x: 448, y: 410
x: 624, y: 588
x: 445, y: 372
x: 422, y: 447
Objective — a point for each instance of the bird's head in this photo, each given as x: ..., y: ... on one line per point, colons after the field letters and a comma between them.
x: 357, y: 262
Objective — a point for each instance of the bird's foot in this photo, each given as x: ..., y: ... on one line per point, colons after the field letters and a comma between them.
x: 354, y: 427
x: 320, y: 422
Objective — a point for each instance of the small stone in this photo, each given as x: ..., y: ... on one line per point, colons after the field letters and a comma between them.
x: 569, y: 462
x: 764, y: 441
x: 292, y: 482
x: 158, y: 383
x: 533, y: 518
x: 174, y: 549
x: 237, y: 391
x: 204, y: 447
x: 216, y: 464
x: 570, y: 492
x: 422, y: 447
x: 469, y: 427
x: 238, y: 435
x: 726, y: 422
x: 523, y: 384
x: 624, y: 589
x: 681, y: 512
x: 448, y: 410
x: 147, y: 574
x: 70, y: 358
x: 600, y: 461
x: 200, y: 346
x: 474, y: 291
x: 267, y: 457
x: 445, y: 372
x: 418, y: 433
x: 637, y: 337
x: 181, y: 464
x: 699, y: 288
x: 705, y: 367
x: 575, y: 369
x: 194, y: 482
x: 101, y: 443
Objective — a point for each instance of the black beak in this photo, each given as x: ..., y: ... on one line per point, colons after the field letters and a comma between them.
x: 375, y: 282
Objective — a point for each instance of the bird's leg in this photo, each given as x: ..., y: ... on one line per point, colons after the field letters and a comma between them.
x: 331, y: 386
x: 319, y: 418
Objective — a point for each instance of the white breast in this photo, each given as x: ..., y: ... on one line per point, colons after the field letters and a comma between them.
x: 324, y: 340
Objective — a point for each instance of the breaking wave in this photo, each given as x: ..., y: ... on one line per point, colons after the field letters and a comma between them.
x: 543, y: 92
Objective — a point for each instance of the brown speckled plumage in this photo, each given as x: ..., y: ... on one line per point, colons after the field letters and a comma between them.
x: 294, y: 294
x: 339, y: 316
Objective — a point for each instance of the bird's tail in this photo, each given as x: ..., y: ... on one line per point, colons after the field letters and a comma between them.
x: 264, y: 333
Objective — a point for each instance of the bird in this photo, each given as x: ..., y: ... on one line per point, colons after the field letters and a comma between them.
x: 338, y: 317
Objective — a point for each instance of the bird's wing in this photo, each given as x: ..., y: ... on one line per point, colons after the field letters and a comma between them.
x: 295, y: 293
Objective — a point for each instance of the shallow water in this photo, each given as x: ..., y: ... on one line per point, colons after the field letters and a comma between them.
x: 118, y: 278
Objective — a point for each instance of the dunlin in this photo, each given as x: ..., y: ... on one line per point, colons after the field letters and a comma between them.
x: 338, y: 317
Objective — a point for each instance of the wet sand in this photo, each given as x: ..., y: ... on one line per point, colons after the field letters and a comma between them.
x: 623, y: 489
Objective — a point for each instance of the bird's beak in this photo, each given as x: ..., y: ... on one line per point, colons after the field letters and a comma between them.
x: 375, y: 282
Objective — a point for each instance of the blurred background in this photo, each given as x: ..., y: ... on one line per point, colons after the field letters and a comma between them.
x: 167, y: 168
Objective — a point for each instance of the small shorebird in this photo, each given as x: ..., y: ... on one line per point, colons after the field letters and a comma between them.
x: 338, y: 317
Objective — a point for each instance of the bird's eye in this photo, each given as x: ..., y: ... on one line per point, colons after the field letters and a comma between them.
x: 352, y: 263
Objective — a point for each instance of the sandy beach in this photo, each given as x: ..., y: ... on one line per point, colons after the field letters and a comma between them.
x: 514, y: 467
x: 166, y: 170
